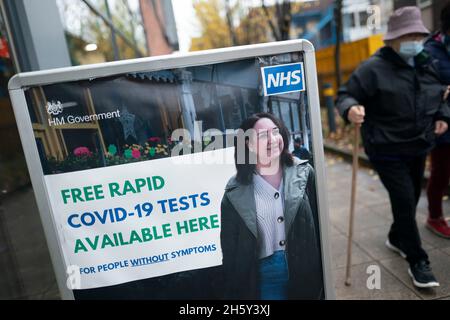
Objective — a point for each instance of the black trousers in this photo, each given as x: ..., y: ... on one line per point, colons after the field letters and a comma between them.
x: 402, y: 179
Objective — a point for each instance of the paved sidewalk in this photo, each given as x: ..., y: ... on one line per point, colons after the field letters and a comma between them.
x: 372, y: 222
x: 28, y: 260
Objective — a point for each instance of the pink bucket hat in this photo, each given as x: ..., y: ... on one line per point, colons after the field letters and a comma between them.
x: 405, y: 20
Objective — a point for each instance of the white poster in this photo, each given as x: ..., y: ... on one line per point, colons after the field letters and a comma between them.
x: 140, y: 220
x: 135, y: 167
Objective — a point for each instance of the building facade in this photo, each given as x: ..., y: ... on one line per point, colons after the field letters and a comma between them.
x: 316, y: 21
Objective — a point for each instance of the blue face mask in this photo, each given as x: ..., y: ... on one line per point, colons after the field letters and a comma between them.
x: 410, y: 49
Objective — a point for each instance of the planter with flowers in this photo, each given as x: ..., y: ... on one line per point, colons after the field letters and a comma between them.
x: 80, y: 159
x: 152, y: 149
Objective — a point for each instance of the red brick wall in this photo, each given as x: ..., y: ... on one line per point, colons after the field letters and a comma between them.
x: 155, y: 35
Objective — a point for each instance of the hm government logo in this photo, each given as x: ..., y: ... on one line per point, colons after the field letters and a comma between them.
x: 54, y: 108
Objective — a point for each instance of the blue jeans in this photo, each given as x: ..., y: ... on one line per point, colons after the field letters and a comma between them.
x: 274, y: 277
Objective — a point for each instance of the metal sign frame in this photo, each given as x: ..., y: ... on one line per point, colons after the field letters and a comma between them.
x: 20, y: 82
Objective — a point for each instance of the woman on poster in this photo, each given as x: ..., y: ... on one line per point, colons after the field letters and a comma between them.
x: 269, y: 236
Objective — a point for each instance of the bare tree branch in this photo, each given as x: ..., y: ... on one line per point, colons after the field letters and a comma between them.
x: 285, y: 21
x: 275, y: 32
x: 337, y: 54
x: 230, y: 23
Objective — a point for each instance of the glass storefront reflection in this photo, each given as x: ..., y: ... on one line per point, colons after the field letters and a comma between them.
x: 13, y: 169
x: 91, y: 40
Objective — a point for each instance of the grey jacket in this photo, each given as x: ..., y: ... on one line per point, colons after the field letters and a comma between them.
x: 239, y: 236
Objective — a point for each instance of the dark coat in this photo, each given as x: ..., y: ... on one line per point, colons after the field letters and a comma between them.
x: 302, y: 153
x: 439, y: 52
x: 442, y: 57
x: 239, y: 237
x: 402, y: 103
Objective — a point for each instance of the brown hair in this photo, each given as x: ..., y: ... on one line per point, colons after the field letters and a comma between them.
x: 245, y: 170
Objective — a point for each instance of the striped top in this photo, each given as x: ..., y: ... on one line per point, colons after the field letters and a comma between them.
x: 270, y: 217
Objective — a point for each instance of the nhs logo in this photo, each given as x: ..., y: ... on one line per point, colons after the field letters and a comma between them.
x: 283, y: 78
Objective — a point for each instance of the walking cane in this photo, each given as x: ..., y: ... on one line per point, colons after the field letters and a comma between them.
x: 352, y: 205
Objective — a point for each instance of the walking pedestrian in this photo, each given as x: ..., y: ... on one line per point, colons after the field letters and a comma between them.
x: 397, y: 98
x: 438, y: 45
x: 300, y: 151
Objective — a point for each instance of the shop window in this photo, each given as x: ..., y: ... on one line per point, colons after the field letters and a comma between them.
x: 295, y: 117
x: 276, y: 109
x: 13, y: 170
x: 363, y: 16
x: 286, y: 114
x: 90, y: 39
x: 72, y: 138
x: 73, y: 100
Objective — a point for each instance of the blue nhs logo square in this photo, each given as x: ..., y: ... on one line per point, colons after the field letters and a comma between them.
x: 283, y: 78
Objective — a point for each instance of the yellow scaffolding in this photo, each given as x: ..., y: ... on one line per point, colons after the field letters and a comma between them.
x: 352, y: 54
